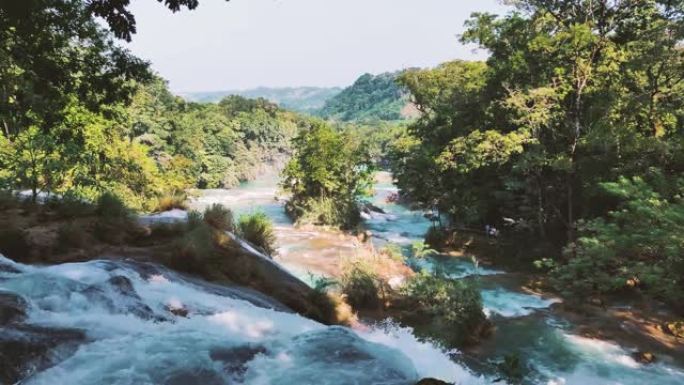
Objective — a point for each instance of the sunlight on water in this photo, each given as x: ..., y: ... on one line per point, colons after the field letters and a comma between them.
x: 510, y: 304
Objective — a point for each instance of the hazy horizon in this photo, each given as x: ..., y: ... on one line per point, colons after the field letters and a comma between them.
x: 246, y: 44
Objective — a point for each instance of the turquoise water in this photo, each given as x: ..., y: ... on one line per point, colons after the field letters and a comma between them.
x: 525, y: 325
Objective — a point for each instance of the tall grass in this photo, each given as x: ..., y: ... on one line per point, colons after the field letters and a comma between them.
x: 257, y: 229
x: 171, y: 201
x: 219, y: 217
x: 361, y: 285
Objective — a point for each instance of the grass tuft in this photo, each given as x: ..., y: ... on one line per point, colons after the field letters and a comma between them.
x: 219, y: 217
x: 171, y: 201
x: 257, y: 229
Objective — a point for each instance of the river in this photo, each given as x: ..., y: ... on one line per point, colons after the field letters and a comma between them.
x: 125, y: 322
x: 525, y: 326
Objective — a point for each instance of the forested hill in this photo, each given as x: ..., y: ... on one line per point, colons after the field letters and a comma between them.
x: 210, y: 145
x: 300, y: 99
x: 371, y: 97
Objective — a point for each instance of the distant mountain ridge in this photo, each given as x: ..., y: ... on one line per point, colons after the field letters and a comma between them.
x: 301, y: 99
x: 371, y: 97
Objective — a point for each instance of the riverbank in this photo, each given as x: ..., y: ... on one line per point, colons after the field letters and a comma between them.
x: 643, y: 324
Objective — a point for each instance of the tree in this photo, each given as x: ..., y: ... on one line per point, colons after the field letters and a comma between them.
x: 637, y: 246
x: 120, y: 20
x: 575, y: 97
x: 370, y: 98
x: 328, y: 172
x: 52, y: 51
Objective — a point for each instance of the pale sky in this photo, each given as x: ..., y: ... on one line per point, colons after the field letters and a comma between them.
x: 276, y: 43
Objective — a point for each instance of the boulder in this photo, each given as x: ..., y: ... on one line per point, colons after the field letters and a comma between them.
x: 673, y: 328
x: 644, y: 357
x: 25, y: 349
x: 178, y: 311
x: 235, y: 359
x: 431, y: 381
x: 12, y: 308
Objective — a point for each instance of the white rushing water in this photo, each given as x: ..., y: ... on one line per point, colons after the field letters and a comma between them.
x: 229, y: 335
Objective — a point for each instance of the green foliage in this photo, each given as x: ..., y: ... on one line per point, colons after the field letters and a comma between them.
x: 71, y: 206
x: 327, y: 174
x: 570, y: 99
x: 209, y: 145
x: 80, y: 114
x: 300, y: 99
x: 194, y: 219
x: 257, y: 229
x: 370, y: 98
x: 109, y: 205
x: 454, y: 304
x: 325, y: 212
x: 195, y: 250
x: 324, y: 306
x: 393, y: 251
x: 436, y: 237
x: 375, y: 137
x: 361, y: 285
x: 219, y: 217
x: 421, y: 250
x: 114, y: 219
x: 638, y: 245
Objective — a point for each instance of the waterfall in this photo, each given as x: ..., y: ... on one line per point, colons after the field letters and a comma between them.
x: 126, y: 322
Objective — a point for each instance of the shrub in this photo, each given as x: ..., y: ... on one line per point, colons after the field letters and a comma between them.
x: 115, y: 220
x: 436, y: 237
x: 674, y: 328
x: 219, y: 217
x: 71, y: 206
x: 194, y: 250
x: 195, y: 219
x: 637, y: 247
x: 361, y: 285
x: 455, y: 305
x: 70, y: 235
x: 110, y: 205
x: 171, y: 201
x: 327, y: 173
x: 257, y: 229
x: 323, y: 308
x: 327, y: 212
x: 393, y: 251
x: 166, y: 230
x: 421, y: 250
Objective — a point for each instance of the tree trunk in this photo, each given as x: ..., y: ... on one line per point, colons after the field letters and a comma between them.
x: 540, y: 210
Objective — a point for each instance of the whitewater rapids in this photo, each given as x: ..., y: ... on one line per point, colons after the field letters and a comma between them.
x: 144, y: 324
